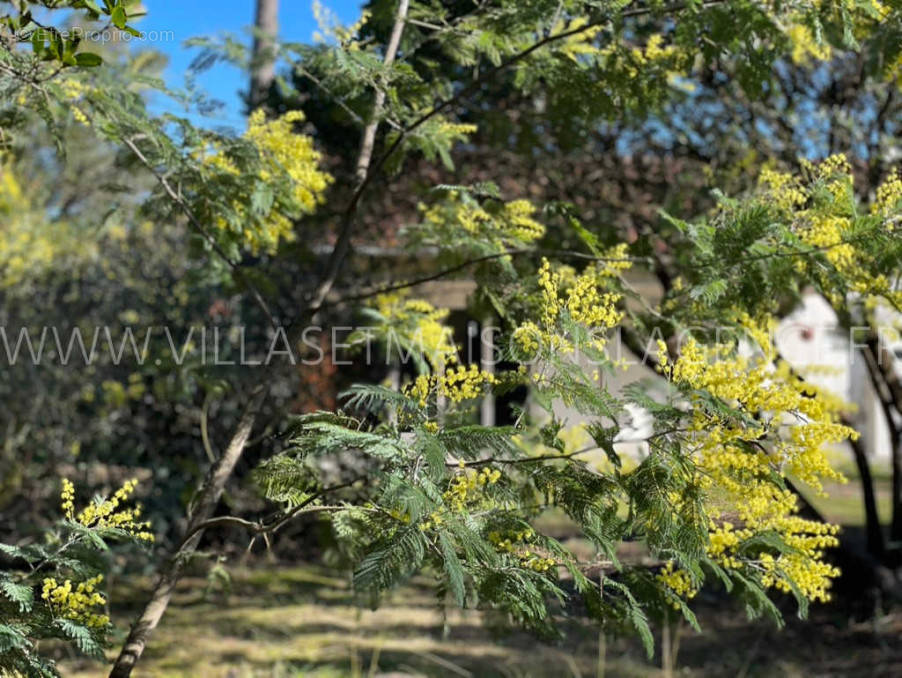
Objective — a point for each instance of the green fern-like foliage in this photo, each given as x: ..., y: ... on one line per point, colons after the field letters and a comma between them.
x: 48, y: 589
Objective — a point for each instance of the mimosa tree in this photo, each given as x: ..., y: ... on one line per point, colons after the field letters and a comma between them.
x: 736, y: 431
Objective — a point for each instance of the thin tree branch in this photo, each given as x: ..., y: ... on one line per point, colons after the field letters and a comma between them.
x: 204, y: 432
x: 260, y: 527
x: 889, y: 392
x: 478, y: 260
x: 176, y: 197
x: 363, y: 172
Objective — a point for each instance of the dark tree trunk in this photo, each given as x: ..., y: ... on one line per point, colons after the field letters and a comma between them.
x: 896, y: 527
x: 263, y: 64
x: 875, y: 542
x: 889, y: 391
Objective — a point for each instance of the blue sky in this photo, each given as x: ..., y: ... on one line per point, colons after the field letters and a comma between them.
x: 190, y: 18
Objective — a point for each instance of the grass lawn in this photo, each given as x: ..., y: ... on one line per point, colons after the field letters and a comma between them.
x: 302, y: 621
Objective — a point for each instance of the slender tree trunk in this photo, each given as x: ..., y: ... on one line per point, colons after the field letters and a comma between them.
x: 263, y: 63
x: 872, y: 519
x: 666, y: 651
x: 487, y: 363
x: 889, y: 391
x: 205, y: 505
x: 892, y: 404
x: 896, y: 526
x: 362, y: 166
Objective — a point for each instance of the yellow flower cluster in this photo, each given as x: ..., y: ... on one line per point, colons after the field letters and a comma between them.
x: 585, y: 303
x: 518, y: 221
x: 784, y: 189
x: 632, y: 61
x: 804, y: 45
x: 445, y: 133
x: 465, y: 488
x: 582, y: 301
x: 291, y: 153
x: 106, y: 513
x: 421, y: 388
x: 828, y: 225
x: 549, y: 282
x: 515, y: 543
x: 465, y: 383
x: 421, y: 324
x: 772, y: 394
x: 861, y: 19
x: 536, y: 562
x: 72, y: 91
x: 829, y: 233
x: 510, y: 224
x: 286, y: 155
x: 888, y: 195
x: 527, y: 337
x: 616, y: 260
x: 507, y: 541
x: 722, y: 542
x: 435, y: 519
x: 76, y: 604
x: 29, y: 242
x: 590, y: 307
x: 457, y: 128
x: 805, y: 567
x: 836, y: 172
x: 330, y: 27
x: 67, y: 499
x: 677, y: 580
x: 792, y: 424
x: 398, y: 515
x: 457, y: 384
x: 802, y: 567
x: 580, y: 43
x: 654, y: 52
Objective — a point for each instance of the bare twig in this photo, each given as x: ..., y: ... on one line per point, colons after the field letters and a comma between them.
x: 566, y: 254
x: 204, y: 433
x: 261, y: 527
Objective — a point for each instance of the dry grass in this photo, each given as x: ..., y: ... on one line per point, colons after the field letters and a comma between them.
x: 300, y: 621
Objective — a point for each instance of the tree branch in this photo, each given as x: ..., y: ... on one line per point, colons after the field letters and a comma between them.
x: 363, y: 173
x: 260, y: 527
x: 207, y: 499
x: 176, y: 197
x: 567, y: 254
